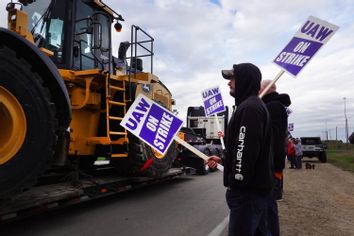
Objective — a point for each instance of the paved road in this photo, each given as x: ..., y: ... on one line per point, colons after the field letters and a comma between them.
x: 191, y: 206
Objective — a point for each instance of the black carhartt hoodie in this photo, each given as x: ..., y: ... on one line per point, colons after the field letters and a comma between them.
x: 276, y: 104
x: 248, y: 166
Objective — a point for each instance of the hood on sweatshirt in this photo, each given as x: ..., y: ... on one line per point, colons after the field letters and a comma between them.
x: 283, y: 98
x: 247, y: 80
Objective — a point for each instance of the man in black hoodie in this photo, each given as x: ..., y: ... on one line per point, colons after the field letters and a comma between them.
x: 276, y: 104
x: 248, y: 173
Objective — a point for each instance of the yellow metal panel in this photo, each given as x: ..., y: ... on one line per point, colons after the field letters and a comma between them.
x: 120, y: 141
x: 75, y: 75
x: 141, y: 77
x: 47, y: 52
x: 17, y: 22
x: 162, y: 95
x: 83, y: 125
x: 79, y: 98
x: 67, y: 74
x: 91, y: 80
x: 88, y: 72
x: 86, y: 104
x: 119, y: 155
x: 103, y: 6
x: 98, y: 140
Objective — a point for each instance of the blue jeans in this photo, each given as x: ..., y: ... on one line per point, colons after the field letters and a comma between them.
x: 248, y: 213
x: 292, y: 160
x: 298, y: 162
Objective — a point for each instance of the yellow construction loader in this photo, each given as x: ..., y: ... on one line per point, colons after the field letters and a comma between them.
x: 63, y: 93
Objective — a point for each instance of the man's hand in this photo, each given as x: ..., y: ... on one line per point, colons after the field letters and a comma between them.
x: 213, y: 161
x: 221, y: 134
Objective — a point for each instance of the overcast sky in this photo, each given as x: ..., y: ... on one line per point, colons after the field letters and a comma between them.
x: 195, y: 39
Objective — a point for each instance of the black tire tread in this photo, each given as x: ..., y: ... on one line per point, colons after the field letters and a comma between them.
x: 18, y: 65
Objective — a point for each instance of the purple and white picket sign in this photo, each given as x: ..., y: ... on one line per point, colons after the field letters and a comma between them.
x: 305, y: 44
x: 302, y: 47
x: 213, y: 104
x: 212, y: 101
x: 291, y: 127
x: 156, y: 126
x: 152, y: 123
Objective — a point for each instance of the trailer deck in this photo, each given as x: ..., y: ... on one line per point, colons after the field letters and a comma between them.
x: 43, y: 198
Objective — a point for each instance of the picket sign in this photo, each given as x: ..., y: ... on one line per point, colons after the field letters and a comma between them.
x: 196, y: 151
x: 302, y: 47
x: 156, y: 126
x: 151, y: 123
x: 213, y: 104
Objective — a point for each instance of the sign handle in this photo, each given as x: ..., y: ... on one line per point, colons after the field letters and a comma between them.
x: 271, y: 84
x: 196, y: 151
x: 218, y: 127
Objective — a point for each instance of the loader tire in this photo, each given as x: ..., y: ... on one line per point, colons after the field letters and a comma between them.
x: 143, y: 160
x: 27, y: 124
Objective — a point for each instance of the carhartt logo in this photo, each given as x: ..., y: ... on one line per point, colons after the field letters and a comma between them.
x: 239, y: 177
x: 240, y: 146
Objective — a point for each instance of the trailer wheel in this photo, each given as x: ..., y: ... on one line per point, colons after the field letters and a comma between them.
x: 143, y: 160
x: 27, y: 124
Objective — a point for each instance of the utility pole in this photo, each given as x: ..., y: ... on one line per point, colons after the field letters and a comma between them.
x: 346, y: 120
x: 326, y: 130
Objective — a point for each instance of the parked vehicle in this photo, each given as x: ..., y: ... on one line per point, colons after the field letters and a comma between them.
x: 351, y: 138
x: 313, y: 147
x: 186, y: 157
x: 202, y: 133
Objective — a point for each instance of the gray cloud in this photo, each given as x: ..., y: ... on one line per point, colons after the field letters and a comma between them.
x: 194, y: 40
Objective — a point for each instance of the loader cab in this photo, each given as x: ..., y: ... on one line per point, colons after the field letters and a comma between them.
x: 92, y: 37
x: 78, y: 32
x: 47, y: 21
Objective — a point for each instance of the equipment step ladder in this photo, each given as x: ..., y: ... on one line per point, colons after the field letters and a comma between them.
x: 116, y: 108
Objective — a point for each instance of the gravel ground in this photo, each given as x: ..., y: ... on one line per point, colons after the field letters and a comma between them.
x: 317, y: 201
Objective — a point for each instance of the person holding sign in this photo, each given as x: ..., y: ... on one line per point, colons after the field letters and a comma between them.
x: 248, y: 174
x: 276, y: 104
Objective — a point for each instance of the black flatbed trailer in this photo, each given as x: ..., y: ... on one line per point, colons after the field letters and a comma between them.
x: 40, y: 199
